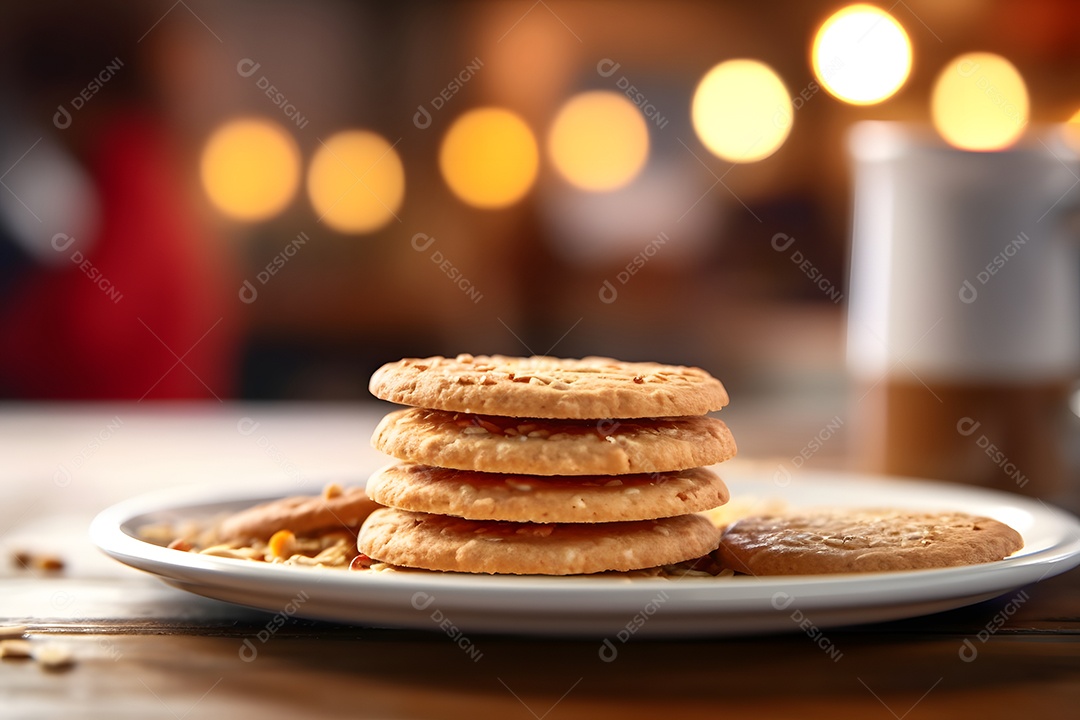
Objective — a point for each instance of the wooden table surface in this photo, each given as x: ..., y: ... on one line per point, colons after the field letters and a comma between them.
x: 145, y: 650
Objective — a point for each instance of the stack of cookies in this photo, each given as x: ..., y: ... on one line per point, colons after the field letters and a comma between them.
x: 545, y: 466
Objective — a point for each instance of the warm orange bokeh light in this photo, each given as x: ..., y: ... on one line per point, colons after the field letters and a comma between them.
x: 250, y: 169
x: 980, y: 102
x: 356, y: 181
x: 489, y: 158
x: 599, y: 141
x: 742, y: 111
x: 861, y: 55
x: 1072, y: 136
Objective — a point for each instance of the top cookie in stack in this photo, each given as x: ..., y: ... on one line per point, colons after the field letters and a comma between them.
x: 545, y: 466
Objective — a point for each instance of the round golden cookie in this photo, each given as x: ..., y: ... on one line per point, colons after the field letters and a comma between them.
x: 546, y: 387
x: 306, y: 514
x: 850, y: 540
x: 546, y: 499
x: 492, y: 443
x: 437, y: 542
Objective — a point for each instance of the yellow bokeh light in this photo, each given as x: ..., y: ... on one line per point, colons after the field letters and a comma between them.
x: 1072, y: 134
x: 980, y: 102
x: 356, y: 181
x: 742, y: 111
x: 861, y: 55
x: 599, y: 141
x: 250, y: 169
x: 489, y: 158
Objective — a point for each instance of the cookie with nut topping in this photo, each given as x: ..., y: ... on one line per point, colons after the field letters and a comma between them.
x: 547, y: 387
x: 546, y: 499
x: 449, y: 544
x: 493, y: 443
x: 845, y: 540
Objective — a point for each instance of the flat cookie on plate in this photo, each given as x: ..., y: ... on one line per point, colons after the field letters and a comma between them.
x: 334, y: 509
x: 492, y: 443
x: 546, y: 499
x: 843, y: 540
x: 437, y: 542
x: 546, y: 387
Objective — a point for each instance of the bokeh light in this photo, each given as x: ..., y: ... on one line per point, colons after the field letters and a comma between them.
x: 599, y: 141
x: 1072, y: 137
x: 742, y: 111
x: 980, y: 102
x: 861, y: 55
x: 250, y: 169
x: 489, y: 158
x: 356, y: 181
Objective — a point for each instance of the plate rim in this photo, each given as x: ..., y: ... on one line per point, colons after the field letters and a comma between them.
x: 696, y: 597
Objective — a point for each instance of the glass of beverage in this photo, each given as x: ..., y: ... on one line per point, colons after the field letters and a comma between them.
x: 964, y: 313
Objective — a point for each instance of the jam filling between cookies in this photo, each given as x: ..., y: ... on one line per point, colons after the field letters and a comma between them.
x: 542, y: 429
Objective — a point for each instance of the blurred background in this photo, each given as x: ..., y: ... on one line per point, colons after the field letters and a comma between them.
x: 267, y: 200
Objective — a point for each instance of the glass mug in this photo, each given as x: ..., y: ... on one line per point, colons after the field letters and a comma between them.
x: 963, y: 323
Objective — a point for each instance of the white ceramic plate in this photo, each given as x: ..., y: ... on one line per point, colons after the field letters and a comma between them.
x: 613, y: 607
